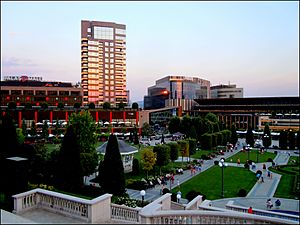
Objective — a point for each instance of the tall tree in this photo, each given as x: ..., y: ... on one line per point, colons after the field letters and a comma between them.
x: 267, y: 138
x: 174, y: 151
x: 33, y: 128
x: 249, y: 136
x: 211, y: 117
x: 135, y: 105
x: 146, y: 130
x: 24, y: 128
x: 106, y: 105
x: 70, y: 175
x: 148, y: 159
x: 291, y: 140
x: 162, y: 155
x: 234, y: 137
x: 121, y: 105
x: 111, y: 172
x: 85, y: 132
x: 283, y: 136
x: 45, y: 131
x: 185, y: 124
x: 174, y: 125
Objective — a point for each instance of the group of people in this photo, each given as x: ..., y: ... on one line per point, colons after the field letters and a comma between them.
x: 269, y: 205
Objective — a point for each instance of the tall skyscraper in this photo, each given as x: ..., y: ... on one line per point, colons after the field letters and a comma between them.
x: 103, y: 63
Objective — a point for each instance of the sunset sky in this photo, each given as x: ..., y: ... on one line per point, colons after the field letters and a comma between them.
x: 252, y: 44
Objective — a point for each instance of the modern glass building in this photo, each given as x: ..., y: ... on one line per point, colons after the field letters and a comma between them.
x: 103, y: 63
x: 181, y: 91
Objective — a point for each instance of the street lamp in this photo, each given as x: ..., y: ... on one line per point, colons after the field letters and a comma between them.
x: 266, y: 136
x: 222, y: 164
x: 143, y: 193
x: 178, y: 196
x: 248, y: 149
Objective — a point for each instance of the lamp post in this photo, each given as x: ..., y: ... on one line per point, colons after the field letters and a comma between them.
x: 143, y: 193
x: 266, y: 136
x: 248, y: 149
x: 178, y: 196
x: 222, y: 164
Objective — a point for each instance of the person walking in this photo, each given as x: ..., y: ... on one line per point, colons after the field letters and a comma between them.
x: 250, y: 210
x: 238, y: 161
x: 262, y: 179
x: 277, y: 203
x: 269, y: 204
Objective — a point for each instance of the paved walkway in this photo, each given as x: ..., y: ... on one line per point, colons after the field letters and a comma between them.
x: 256, y: 197
x: 260, y: 192
x: 154, y: 193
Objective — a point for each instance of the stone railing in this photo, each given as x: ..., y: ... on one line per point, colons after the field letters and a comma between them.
x: 97, y: 209
x: 210, y: 217
x: 160, y: 211
x: 260, y: 212
x: 124, y: 213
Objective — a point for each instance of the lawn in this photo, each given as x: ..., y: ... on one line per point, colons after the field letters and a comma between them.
x: 243, y: 156
x: 198, y: 154
x: 209, y: 182
x: 288, y: 176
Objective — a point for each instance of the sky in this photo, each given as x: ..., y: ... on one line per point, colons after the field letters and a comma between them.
x: 254, y: 45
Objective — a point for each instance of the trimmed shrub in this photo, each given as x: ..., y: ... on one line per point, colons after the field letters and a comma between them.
x: 242, y: 193
x: 270, y: 160
x: 216, y: 162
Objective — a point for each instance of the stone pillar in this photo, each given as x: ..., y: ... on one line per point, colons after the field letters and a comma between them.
x: 20, y: 119
x: 97, y: 116
x: 35, y: 116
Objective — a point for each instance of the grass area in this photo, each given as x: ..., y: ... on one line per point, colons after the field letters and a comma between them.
x: 72, y: 194
x: 293, y: 160
x: 51, y: 147
x: 288, y: 173
x: 198, y: 154
x: 209, y: 182
x: 243, y: 156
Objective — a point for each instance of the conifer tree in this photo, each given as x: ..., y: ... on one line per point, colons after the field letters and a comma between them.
x: 70, y: 177
x: 111, y: 171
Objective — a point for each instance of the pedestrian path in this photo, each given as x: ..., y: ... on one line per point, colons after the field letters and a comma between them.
x: 154, y: 193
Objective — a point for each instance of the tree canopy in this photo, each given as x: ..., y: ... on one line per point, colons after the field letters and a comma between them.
x: 148, y: 159
x: 111, y: 170
x: 84, y: 130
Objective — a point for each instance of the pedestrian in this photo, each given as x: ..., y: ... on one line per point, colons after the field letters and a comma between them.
x: 250, y: 210
x: 238, y: 161
x: 264, y: 166
x: 269, y: 204
x: 269, y: 173
x: 262, y: 178
x: 271, y: 176
x: 277, y: 203
x: 172, y: 178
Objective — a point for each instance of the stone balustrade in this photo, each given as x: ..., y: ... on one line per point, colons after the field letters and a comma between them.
x: 160, y: 211
x: 124, y: 213
x: 86, y: 210
x: 230, y: 205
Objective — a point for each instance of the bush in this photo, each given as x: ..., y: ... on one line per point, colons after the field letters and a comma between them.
x: 165, y: 190
x: 242, y: 193
x: 135, y: 167
x: 246, y: 165
x: 137, y: 185
x: 204, y: 157
x: 250, y: 162
x: 275, y: 152
x: 216, y: 162
x: 193, y: 194
x: 270, y: 160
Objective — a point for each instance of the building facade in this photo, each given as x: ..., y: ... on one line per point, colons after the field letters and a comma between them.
x: 182, y: 89
x: 24, y: 90
x: 281, y: 113
x: 103, y: 63
x: 226, y: 91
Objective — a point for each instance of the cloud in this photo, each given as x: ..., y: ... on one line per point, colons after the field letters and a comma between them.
x: 17, y: 62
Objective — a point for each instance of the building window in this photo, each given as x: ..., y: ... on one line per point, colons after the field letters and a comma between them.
x: 103, y: 33
x: 89, y: 30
